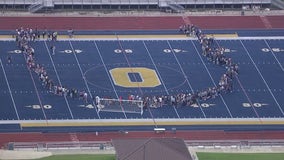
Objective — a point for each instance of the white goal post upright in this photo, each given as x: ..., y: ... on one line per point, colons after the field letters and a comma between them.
x: 119, y: 105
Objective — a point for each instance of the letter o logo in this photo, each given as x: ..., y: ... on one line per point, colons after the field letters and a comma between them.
x: 147, y: 77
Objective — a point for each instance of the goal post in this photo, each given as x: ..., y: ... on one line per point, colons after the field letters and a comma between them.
x: 119, y: 105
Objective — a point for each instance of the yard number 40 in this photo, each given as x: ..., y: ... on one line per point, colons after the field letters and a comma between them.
x: 253, y: 104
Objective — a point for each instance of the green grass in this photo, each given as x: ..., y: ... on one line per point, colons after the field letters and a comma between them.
x: 239, y: 156
x: 81, y: 157
x: 200, y: 155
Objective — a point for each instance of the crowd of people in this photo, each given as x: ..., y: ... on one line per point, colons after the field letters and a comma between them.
x: 214, y: 53
x: 23, y: 37
x: 210, y: 49
x: 35, y: 34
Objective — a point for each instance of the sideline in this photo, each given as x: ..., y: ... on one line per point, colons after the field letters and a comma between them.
x: 147, y: 122
x: 149, y: 37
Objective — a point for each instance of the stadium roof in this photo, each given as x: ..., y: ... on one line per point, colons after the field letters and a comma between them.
x: 151, y: 149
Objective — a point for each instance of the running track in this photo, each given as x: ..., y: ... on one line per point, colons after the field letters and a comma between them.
x: 142, y: 23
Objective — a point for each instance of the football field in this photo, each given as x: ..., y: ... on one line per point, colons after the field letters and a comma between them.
x: 144, y: 66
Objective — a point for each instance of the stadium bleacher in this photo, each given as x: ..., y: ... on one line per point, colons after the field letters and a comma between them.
x: 177, y: 6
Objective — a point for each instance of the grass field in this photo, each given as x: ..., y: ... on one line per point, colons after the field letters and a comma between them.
x: 81, y: 157
x: 201, y: 156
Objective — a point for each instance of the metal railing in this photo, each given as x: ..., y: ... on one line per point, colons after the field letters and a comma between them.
x: 107, y: 145
x: 45, y: 146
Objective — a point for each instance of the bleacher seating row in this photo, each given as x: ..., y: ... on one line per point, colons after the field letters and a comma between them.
x: 14, y: 4
x: 134, y: 2
x: 177, y: 6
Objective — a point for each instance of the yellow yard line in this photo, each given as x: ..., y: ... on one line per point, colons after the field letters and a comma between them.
x: 87, y: 36
x: 109, y: 36
x: 5, y: 36
x: 152, y: 36
x: 235, y: 35
x: 121, y: 36
x: 146, y: 123
x: 132, y: 36
x: 146, y: 36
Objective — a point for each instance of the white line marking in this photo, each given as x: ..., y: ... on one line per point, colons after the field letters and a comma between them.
x: 36, y: 91
x: 109, y: 76
x: 13, y: 101
x: 262, y: 78
x: 84, y: 77
x: 185, y: 77
x: 211, y: 78
x: 159, y: 75
x: 274, y: 55
x: 58, y: 78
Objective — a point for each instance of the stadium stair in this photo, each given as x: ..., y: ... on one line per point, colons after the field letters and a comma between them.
x: 176, y: 8
x: 40, y: 6
x: 169, y: 6
x: 278, y: 3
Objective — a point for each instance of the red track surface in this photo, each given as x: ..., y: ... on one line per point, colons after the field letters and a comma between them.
x: 141, y: 23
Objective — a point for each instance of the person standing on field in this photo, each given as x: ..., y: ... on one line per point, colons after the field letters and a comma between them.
x: 53, y: 49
